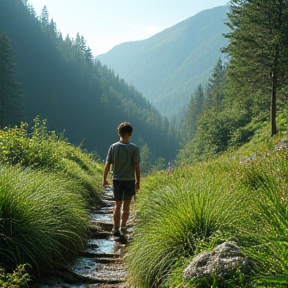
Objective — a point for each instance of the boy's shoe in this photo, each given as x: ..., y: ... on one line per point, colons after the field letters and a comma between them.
x: 123, y: 230
x: 116, y: 232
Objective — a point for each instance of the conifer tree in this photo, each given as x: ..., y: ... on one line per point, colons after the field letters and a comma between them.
x: 259, y: 50
x: 44, y: 17
x: 145, y: 159
x: 11, y: 102
x: 195, y: 108
x: 214, y: 92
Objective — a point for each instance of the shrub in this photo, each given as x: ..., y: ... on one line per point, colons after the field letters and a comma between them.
x: 38, y: 149
x: 18, y: 279
x: 42, y: 149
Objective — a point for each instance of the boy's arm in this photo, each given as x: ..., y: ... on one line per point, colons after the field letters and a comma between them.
x: 137, y: 171
x: 105, y: 173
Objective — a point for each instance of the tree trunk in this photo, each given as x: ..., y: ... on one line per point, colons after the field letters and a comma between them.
x: 274, y: 92
x: 273, y: 106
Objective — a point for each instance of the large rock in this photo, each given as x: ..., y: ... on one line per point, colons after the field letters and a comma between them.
x: 221, y: 262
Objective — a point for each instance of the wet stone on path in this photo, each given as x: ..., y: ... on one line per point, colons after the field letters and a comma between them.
x: 100, y: 265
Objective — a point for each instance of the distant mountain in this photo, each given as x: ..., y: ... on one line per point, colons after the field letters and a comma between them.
x: 168, y: 67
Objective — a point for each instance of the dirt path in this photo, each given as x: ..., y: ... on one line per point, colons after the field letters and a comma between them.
x: 101, y: 264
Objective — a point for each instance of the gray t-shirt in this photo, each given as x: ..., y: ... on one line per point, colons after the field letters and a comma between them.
x: 123, y: 158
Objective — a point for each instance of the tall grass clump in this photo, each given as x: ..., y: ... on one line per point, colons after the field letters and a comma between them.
x: 82, y: 167
x: 197, y: 208
x: 241, y: 196
x: 266, y: 182
x: 43, y: 218
x: 36, y: 147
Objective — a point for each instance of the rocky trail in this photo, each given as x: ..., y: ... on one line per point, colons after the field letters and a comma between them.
x: 101, y: 264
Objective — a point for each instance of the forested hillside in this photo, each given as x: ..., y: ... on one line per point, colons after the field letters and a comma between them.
x: 168, y: 66
x: 249, y: 90
x: 56, y: 78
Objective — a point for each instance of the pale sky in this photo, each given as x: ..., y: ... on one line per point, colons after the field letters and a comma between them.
x: 106, y: 23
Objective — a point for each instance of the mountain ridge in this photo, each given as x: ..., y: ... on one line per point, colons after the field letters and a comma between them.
x: 162, y: 66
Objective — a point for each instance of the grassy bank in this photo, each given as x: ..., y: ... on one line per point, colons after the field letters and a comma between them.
x: 46, y: 189
x: 234, y: 197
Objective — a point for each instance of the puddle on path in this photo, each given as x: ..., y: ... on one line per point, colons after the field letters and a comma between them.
x: 101, y: 246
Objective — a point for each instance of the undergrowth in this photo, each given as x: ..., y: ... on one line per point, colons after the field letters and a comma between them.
x: 240, y: 196
x: 47, y: 186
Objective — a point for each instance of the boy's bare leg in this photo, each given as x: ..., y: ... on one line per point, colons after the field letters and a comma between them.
x: 126, y: 212
x: 117, y: 214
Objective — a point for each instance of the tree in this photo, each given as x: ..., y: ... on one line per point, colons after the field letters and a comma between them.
x: 160, y: 164
x: 11, y: 100
x: 214, y: 91
x: 145, y: 159
x: 44, y: 17
x: 80, y: 44
x: 64, y: 86
x: 258, y: 49
x: 195, y: 109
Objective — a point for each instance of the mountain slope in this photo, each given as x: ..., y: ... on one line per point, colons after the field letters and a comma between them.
x: 61, y: 83
x: 168, y: 67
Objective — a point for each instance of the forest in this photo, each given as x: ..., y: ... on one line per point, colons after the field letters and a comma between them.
x: 245, y: 89
x: 229, y: 185
x: 56, y: 78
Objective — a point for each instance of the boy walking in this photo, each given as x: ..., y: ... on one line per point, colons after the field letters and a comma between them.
x: 125, y: 158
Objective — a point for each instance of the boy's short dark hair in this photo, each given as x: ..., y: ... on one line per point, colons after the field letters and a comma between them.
x: 125, y: 128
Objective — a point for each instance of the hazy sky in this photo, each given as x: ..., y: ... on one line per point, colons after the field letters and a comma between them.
x: 106, y: 23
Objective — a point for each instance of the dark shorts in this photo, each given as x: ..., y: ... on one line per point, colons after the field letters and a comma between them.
x: 123, y: 190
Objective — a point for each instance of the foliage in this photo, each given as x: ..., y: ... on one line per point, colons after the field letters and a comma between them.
x: 214, y: 94
x: 11, y: 101
x: 244, y: 134
x: 170, y: 65
x: 266, y: 181
x: 196, y: 207
x: 63, y: 84
x: 43, y: 218
x: 240, y: 91
x: 36, y: 147
x: 195, y: 108
x: 145, y: 164
x: 216, y: 131
x: 180, y: 215
x: 46, y: 187
x: 18, y: 279
x: 258, y: 50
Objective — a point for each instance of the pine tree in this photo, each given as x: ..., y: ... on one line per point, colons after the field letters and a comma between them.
x: 259, y: 49
x: 145, y: 159
x: 44, y: 17
x: 214, y: 92
x: 195, y: 108
x: 11, y: 101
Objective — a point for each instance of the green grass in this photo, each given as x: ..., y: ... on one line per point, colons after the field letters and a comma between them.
x: 42, y: 149
x: 234, y: 197
x: 43, y: 218
x: 47, y: 186
x: 197, y: 208
x: 267, y: 182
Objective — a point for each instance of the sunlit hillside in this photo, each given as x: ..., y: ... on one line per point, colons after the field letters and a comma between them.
x: 167, y: 67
